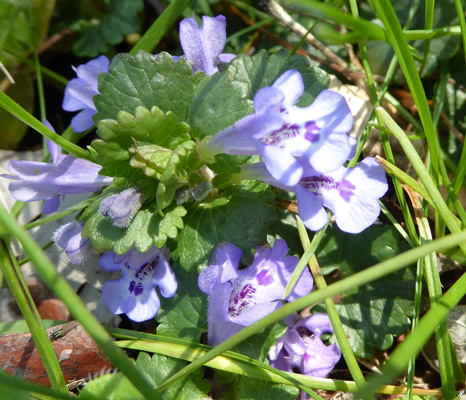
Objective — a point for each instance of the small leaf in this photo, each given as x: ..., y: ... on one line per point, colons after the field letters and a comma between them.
x: 373, y: 313
x: 136, y: 132
x: 159, y: 368
x: 261, y: 70
x: 148, y: 227
x: 121, y: 19
x: 185, y: 315
x: 253, y: 389
x: 224, y: 98
x: 145, y: 81
x: 175, y: 175
x: 240, y: 216
x: 111, y: 387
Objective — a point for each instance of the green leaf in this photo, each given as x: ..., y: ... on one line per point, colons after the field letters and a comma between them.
x: 134, y: 134
x: 145, y: 81
x: 149, y: 227
x: 222, y: 99
x: 253, y: 389
x: 260, y: 71
x: 175, y: 174
x: 185, y: 315
x: 121, y: 19
x: 218, y: 102
x: 372, y: 314
x: 110, y: 387
x: 240, y: 216
x: 159, y: 368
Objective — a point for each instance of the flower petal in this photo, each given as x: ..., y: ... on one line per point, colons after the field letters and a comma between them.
x: 122, y: 207
x: 83, y: 121
x: 281, y: 164
x: 69, y: 238
x: 107, y: 262
x: 290, y: 83
x: 51, y: 205
x: 165, y: 278
x: 202, y: 46
x: 310, y: 209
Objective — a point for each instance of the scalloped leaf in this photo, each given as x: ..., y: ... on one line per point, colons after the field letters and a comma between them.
x: 121, y: 19
x: 185, y: 315
x: 175, y: 175
x: 253, y: 389
x: 110, y: 387
x: 222, y: 99
x: 160, y: 368
x: 260, y: 71
x: 128, y: 131
x: 145, y: 81
x: 240, y: 216
x: 373, y: 313
x: 148, y: 227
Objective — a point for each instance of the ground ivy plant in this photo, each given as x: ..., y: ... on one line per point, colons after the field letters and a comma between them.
x: 191, y: 155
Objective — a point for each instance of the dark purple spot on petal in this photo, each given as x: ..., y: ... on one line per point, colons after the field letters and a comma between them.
x: 346, y: 190
x: 312, y: 130
x: 241, y: 300
x: 286, y: 132
x: 316, y: 183
x: 136, y: 288
x: 147, y: 269
x: 263, y: 278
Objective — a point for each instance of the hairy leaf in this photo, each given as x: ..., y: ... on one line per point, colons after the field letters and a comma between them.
x: 185, y: 315
x: 145, y: 81
x: 148, y: 227
x: 159, y: 368
x: 121, y: 19
x: 240, y: 216
x: 373, y: 313
x: 134, y: 135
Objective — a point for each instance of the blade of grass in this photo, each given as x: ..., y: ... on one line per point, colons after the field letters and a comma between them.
x: 398, y: 41
x: 361, y: 278
x: 160, y: 27
x: 20, y: 292
x: 65, y: 292
x: 434, y: 288
x: 20, y: 385
x: 340, y: 334
x: 422, y: 172
x: 19, y: 112
x: 415, y: 340
x: 323, y: 10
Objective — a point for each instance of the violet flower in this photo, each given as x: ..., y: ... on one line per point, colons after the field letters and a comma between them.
x: 66, y: 174
x: 351, y: 194
x: 69, y: 238
x: 122, y: 207
x: 316, y: 134
x: 237, y: 298
x: 135, y: 292
x: 203, y: 46
x: 80, y: 91
x: 302, y: 348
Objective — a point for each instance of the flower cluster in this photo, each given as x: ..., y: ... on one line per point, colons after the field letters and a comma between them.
x: 238, y: 298
x: 135, y: 292
x: 304, y: 151
x: 302, y: 347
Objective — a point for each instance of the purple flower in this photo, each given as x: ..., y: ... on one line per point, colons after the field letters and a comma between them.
x: 351, y: 194
x: 135, y: 292
x: 237, y: 298
x: 69, y: 238
x: 122, y: 207
x: 203, y: 46
x: 46, y: 181
x: 302, y: 347
x: 79, y: 93
x: 316, y: 134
